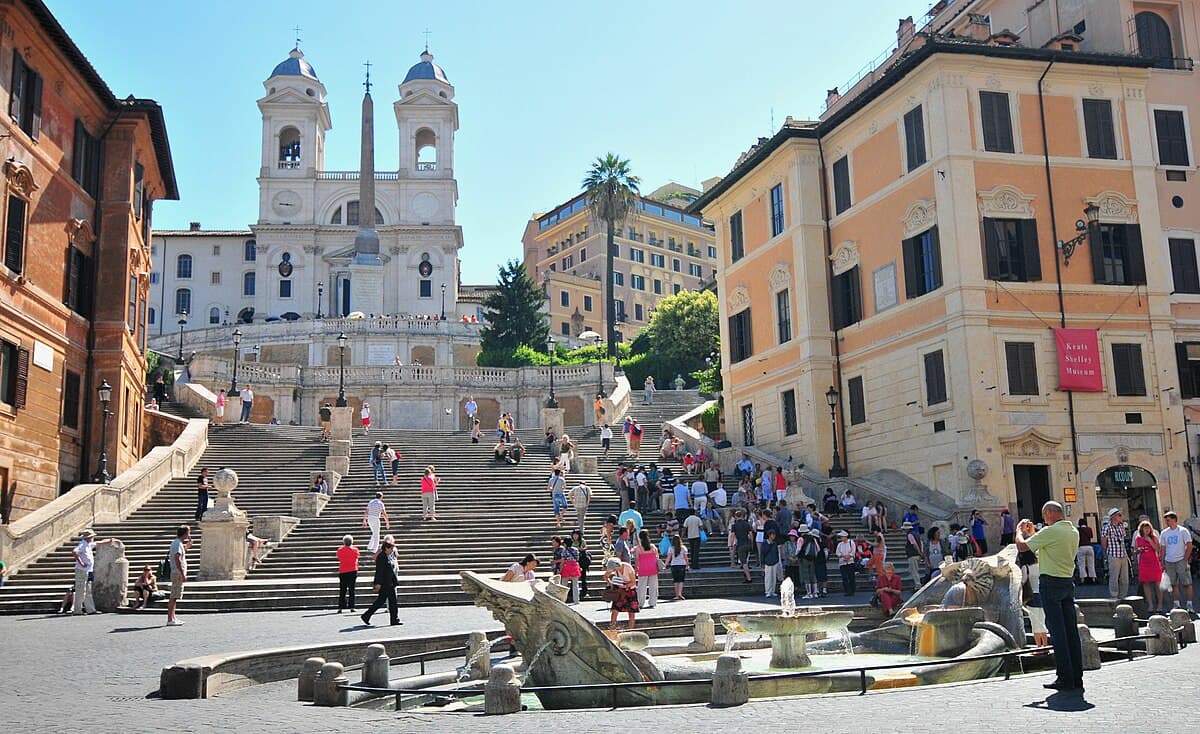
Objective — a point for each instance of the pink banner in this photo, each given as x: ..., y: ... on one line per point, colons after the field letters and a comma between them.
x: 1079, y: 360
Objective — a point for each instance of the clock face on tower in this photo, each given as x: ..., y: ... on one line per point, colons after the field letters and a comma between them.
x: 286, y: 204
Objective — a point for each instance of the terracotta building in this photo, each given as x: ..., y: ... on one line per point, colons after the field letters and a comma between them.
x: 921, y: 248
x: 82, y: 169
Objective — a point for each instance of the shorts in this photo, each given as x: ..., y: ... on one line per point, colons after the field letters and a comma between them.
x: 220, y: 411
x: 366, y: 422
x: 742, y: 551
x: 560, y: 503
x: 1179, y: 573
x: 324, y: 425
x: 604, y: 442
x: 176, y: 587
x: 678, y: 573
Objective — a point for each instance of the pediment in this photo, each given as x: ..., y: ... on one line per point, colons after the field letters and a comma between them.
x: 1030, y: 442
x: 424, y: 97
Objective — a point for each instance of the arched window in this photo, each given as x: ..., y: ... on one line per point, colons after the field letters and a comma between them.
x: 214, y: 315
x: 153, y: 318
x: 246, y: 315
x: 250, y: 252
x: 248, y: 284
x: 183, y: 267
x: 289, y: 148
x: 337, y: 216
x: 183, y: 301
x: 1154, y: 39
x: 352, y: 215
x: 426, y: 150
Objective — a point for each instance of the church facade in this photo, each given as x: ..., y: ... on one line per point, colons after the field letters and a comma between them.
x: 315, y: 249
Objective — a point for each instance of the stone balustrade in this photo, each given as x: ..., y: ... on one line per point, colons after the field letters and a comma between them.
x: 220, y: 337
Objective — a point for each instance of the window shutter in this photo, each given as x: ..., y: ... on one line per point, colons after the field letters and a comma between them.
x: 1097, y: 248
x: 1137, y: 375
x: 1029, y: 369
x: 1187, y: 383
x: 935, y: 255
x: 839, y: 302
x: 17, y: 90
x: 35, y: 92
x: 14, y: 240
x: 991, y: 249
x: 912, y: 289
x: 1184, y: 271
x: 1029, y: 242
x: 1136, y: 270
x: 78, y: 161
x: 22, y: 378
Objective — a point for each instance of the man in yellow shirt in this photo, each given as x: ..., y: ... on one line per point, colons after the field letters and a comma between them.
x: 1055, y: 545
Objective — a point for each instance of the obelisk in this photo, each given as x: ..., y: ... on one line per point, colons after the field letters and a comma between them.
x: 366, y: 269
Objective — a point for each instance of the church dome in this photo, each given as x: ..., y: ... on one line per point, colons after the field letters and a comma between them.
x: 426, y: 69
x: 295, y: 65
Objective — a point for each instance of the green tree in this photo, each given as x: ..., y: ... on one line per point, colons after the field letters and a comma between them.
x: 684, y: 329
x: 612, y: 194
x: 514, y: 317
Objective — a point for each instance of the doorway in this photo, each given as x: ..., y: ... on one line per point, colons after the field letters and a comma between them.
x: 1033, y: 489
x: 1130, y: 489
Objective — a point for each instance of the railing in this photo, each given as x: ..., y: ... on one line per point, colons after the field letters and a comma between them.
x: 221, y: 337
x: 1178, y: 64
x: 354, y: 176
x: 427, y: 165
x: 289, y: 165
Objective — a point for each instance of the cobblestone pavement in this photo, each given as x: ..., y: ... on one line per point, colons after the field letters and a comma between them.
x: 96, y: 672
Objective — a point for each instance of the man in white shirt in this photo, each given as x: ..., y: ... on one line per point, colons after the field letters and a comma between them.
x: 85, y: 566
x: 471, y: 409
x: 375, y: 511
x: 1176, y: 542
x: 719, y: 499
x: 606, y: 438
x: 691, y: 533
x: 247, y: 395
x: 846, y: 562
x: 177, y: 557
x: 743, y: 467
x: 581, y: 497
x: 639, y: 480
x: 699, y: 495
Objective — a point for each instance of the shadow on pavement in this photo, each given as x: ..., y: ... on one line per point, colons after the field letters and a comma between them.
x: 1069, y: 701
x: 115, y: 630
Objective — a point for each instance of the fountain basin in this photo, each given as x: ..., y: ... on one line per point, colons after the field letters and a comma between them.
x: 788, y: 634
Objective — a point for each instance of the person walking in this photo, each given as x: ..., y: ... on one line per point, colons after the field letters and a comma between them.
x: 556, y: 485
x: 1085, y: 557
x: 677, y: 560
x: 364, y: 416
x: 202, y: 484
x: 393, y: 458
x: 85, y: 567
x: 326, y: 415
x: 1008, y: 526
x: 635, y: 439
x: 347, y: 556
x: 622, y: 578
x: 177, y: 556
x: 606, y: 435
x: 470, y: 408
x: 585, y: 561
x: 693, y: 526
x: 741, y: 531
x: 219, y: 411
x: 377, y: 459
x: 1148, y: 552
x: 247, y: 403
x: 846, y: 562
x: 581, y: 498
x: 1055, y: 546
x: 384, y: 584
x: 978, y: 532
x: 1176, y: 542
x: 647, y: 571
x: 770, y: 560
x: 429, y: 490
x: 648, y: 391
x: 375, y: 512
x: 1114, y: 543
x: 913, y: 553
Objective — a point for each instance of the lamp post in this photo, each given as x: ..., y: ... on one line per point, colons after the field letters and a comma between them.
x: 341, y: 398
x: 831, y: 397
x: 443, y: 301
x: 320, y: 297
x: 1085, y: 228
x: 104, y: 392
x: 594, y: 338
x: 551, y: 403
x: 182, y: 323
x: 237, y: 352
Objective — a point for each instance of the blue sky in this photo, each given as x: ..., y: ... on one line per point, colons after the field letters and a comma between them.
x: 681, y: 89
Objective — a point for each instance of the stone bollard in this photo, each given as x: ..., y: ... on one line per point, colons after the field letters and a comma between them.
x: 479, y: 655
x: 110, y: 590
x: 308, y: 676
x: 502, y: 692
x: 1079, y: 618
x: 325, y: 689
x: 1164, y: 641
x: 1124, y: 623
x: 1091, y: 648
x: 633, y: 640
x: 223, y: 552
x: 704, y: 634
x: 730, y: 686
x: 376, y: 667
x: 341, y: 423
x: 1180, y: 618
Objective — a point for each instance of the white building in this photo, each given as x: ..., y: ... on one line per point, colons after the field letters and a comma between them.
x: 298, y: 259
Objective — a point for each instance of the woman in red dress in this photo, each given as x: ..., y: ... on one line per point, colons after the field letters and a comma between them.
x: 1148, y: 553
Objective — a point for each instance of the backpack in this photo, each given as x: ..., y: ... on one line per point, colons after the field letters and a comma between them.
x: 636, y: 430
x: 164, y: 568
x: 809, y: 549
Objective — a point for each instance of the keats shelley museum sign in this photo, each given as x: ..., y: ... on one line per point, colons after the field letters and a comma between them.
x: 1079, y: 360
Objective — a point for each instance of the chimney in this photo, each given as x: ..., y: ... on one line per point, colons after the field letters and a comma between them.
x: 979, y: 26
x: 906, y: 31
x: 831, y: 97
x: 1004, y: 38
x: 193, y: 226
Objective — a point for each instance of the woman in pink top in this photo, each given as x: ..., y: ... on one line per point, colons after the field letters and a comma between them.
x: 647, y: 571
x: 220, y: 413
x: 429, y: 487
x: 347, y: 557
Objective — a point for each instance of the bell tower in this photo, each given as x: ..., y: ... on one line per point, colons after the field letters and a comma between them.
x: 427, y: 118
x: 295, y: 118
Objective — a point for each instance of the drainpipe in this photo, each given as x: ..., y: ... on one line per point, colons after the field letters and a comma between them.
x: 1062, y: 311
x: 840, y: 426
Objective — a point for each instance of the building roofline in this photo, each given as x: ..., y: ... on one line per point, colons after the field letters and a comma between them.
x: 158, y: 135
x: 641, y: 197
x: 203, y: 233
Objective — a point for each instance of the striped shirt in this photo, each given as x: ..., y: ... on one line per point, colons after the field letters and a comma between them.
x: 1114, y: 535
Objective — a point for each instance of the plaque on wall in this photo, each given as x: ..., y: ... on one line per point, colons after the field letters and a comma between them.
x: 885, y: 287
x: 381, y: 354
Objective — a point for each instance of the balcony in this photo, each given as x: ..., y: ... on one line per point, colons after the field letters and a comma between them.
x: 427, y: 165
x: 1176, y: 64
x: 354, y: 176
x: 289, y: 165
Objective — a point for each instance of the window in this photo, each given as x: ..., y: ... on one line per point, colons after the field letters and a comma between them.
x: 737, y: 247
x: 1171, y: 132
x: 857, y: 400
x: 216, y: 250
x: 1098, y: 126
x: 14, y: 235
x: 657, y: 287
x: 636, y: 255
x: 841, y: 184
x: 1022, y: 368
x: 183, y: 267
x: 426, y: 289
x: 619, y: 307
x: 285, y: 289
x: 582, y: 254
x: 676, y: 265
x: 248, y: 282
x: 72, y: 391
x: 154, y: 278
x: 85, y: 160
x: 289, y: 148
x: 783, y: 315
x: 658, y: 260
x: 78, y: 295
x: 922, y: 264
x: 183, y: 301
x: 712, y: 252
x: 1154, y: 39
x: 740, y: 342
x: 615, y: 250
x: 619, y: 279
x: 564, y: 299
x: 791, y: 426
x: 914, y: 138
x: 675, y: 288
x: 1183, y: 265
x: 1118, y: 259
x: 638, y: 282
x: 14, y: 374
x: 568, y: 262
x: 214, y: 316
x: 1011, y: 250
x: 997, y: 122
x: 214, y: 277
x: 153, y: 319
x: 139, y: 189
x: 776, y: 209
x: 25, y: 97
x: 935, y: 378
x: 564, y: 328
x: 249, y: 251
x: 1187, y: 359
x: 747, y: 425
x: 131, y: 313
x: 639, y: 313
x: 587, y: 303
x: 1128, y: 374
x: 847, y: 301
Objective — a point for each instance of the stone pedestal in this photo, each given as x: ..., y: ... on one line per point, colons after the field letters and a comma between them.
x: 366, y: 284
x: 338, y: 464
x: 110, y: 589
x: 338, y: 447
x: 223, y: 552
x: 307, y: 504
x: 584, y: 465
x: 1124, y: 623
x: 553, y: 418
x: 273, y: 527
x: 730, y: 686
x: 332, y: 479
x: 308, y: 676
x: 376, y: 667
x: 1179, y: 618
x: 1164, y: 641
x: 704, y: 632
x: 325, y: 688
x: 502, y: 693
x: 1091, y: 649
x: 340, y: 425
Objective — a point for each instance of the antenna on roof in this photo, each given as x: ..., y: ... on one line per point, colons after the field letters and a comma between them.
x: 367, y: 83
x: 772, y: 120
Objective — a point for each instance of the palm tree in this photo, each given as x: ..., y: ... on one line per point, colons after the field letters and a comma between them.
x: 612, y: 195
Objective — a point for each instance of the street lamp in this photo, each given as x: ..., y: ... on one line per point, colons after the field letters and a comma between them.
x: 551, y: 403
x: 320, y: 297
x: 1084, y: 227
x: 182, y: 323
x: 443, y: 301
x: 104, y: 392
x: 341, y: 398
x: 594, y: 338
x: 831, y: 397
x: 237, y: 352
